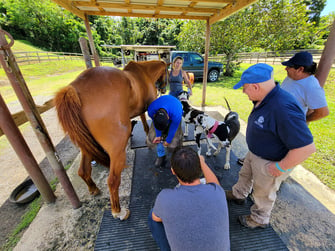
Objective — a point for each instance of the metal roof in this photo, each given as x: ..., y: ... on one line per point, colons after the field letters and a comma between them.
x: 211, y: 10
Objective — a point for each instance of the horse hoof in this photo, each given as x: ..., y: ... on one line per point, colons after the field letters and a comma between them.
x: 208, y: 154
x: 227, y: 166
x: 185, y: 134
x: 122, y: 215
x: 95, y: 192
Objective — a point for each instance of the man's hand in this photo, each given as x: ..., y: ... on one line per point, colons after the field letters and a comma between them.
x: 156, y: 140
x: 273, y: 170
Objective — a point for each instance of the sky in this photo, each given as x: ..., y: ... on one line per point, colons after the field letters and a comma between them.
x: 330, y: 7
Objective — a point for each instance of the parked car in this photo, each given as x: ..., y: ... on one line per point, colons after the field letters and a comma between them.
x: 194, y: 62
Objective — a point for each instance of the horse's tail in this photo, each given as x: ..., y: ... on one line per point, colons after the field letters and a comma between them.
x: 68, y: 106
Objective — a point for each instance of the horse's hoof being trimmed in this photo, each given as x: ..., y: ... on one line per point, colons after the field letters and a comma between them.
x: 122, y: 215
x: 227, y: 166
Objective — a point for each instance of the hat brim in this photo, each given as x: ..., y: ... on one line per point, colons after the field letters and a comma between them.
x: 238, y: 85
x: 287, y: 63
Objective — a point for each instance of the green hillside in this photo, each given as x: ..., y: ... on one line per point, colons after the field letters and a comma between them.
x: 23, y: 45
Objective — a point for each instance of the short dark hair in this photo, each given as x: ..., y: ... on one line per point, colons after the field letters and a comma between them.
x: 161, y: 120
x: 185, y: 163
x: 311, y: 69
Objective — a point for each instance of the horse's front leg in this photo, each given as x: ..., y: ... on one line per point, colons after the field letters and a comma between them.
x: 145, y: 124
x: 85, y: 171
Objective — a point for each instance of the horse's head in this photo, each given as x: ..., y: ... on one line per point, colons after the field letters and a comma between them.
x: 162, y: 81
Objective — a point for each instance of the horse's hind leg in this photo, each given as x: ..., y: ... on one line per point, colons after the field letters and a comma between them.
x: 118, y: 162
x: 85, y: 171
x: 145, y: 124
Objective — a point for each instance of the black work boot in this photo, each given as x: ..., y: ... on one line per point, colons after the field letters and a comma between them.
x: 247, y: 221
x: 231, y: 197
x: 160, y: 161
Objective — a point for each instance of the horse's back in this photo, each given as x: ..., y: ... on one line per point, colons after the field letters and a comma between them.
x: 99, y: 77
x: 100, y: 88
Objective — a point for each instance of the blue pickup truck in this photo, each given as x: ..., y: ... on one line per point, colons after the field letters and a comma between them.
x: 194, y: 62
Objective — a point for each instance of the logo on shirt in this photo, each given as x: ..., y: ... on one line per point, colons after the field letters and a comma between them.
x: 260, y: 121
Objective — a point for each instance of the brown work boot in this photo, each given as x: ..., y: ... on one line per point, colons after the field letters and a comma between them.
x: 160, y: 161
x: 246, y: 221
x: 231, y: 197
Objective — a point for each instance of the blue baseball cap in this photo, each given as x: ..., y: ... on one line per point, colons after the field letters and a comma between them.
x: 255, y: 74
x: 303, y: 58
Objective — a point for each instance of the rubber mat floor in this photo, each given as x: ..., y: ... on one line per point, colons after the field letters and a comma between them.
x: 148, y: 181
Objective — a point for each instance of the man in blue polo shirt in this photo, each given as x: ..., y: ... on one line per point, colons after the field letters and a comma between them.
x: 278, y: 139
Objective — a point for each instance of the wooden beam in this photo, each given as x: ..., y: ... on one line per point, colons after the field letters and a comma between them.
x: 20, y: 117
x: 327, y: 57
x: 230, y: 9
x: 126, y: 14
x: 149, y: 7
x: 208, y: 1
x: 91, y: 41
x: 204, y: 79
x: 66, y: 4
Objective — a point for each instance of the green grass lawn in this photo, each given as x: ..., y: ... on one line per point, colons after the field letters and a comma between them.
x: 321, y: 163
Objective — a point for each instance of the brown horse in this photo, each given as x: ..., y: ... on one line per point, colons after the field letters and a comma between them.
x: 95, y: 110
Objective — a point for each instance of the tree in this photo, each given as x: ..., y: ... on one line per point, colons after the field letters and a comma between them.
x: 158, y: 31
x: 43, y: 23
x: 281, y: 24
x: 315, y: 8
x: 228, y: 37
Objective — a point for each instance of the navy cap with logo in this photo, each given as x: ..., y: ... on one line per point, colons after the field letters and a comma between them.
x: 161, y: 120
x: 303, y: 58
x: 257, y: 73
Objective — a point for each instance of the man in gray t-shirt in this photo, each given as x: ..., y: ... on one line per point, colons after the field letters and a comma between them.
x: 192, y: 216
x: 303, y: 85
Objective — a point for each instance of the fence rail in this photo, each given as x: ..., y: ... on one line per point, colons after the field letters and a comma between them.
x: 33, y: 57
x: 270, y: 57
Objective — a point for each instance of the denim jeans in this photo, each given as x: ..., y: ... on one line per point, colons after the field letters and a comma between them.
x: 158, y: 233
x: 160, y: 150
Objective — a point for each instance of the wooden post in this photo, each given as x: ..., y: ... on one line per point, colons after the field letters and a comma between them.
x: 123, y: 59
x: 327, y: 57
x: 22, y: 150
x: 86, y: 52
x: 91, y: 42
x: 19, y: 85
x: 204, y: 80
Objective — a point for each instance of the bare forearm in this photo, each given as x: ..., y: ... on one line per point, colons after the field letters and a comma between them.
x: 293, y: 158
x: 208, y: 173
x: 296, y: 156
x: 317, y: 114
